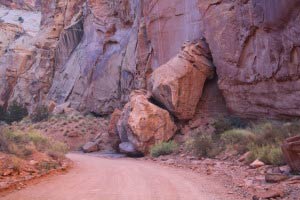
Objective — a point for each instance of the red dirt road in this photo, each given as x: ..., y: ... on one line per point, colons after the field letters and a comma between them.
x: 94, y: 178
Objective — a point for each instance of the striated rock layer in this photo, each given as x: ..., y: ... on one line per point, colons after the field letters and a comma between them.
x: 94, y: 53
x: 255, y: 47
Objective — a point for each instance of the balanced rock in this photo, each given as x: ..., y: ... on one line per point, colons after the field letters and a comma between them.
x: 143, y: 124
x: 178, y: 84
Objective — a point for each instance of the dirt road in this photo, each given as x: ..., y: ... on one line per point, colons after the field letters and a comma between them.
x: 95, y: 178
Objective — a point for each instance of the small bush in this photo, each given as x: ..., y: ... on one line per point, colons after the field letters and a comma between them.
x: 225, y: 123
x: 239, y: 139
x: 41, y: 113
x: 164, y: 148
x: 274, y: 132
x: 58, y: 147
x: 203, y: 146
x: 16, y: 112
x: 263, y: 140
x: 23, y: 144
x: 269, y: 154
x: 16, y: 164
x: 47, y: 166
x: 40, y: 141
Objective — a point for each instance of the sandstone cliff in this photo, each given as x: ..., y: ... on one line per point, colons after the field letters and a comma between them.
x: 93, y: 53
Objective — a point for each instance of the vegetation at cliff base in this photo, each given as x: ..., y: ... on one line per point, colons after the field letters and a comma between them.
x: 164, y: 148
x: 41, y: 113
x: 262, y: 139
x: 14, y: 113
x: 24, y: 143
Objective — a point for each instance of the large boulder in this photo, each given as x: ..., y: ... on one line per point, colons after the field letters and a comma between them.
x: 178, y: 84
x: 291, y: 152
x: 90, y: 147
x: 143, y: 124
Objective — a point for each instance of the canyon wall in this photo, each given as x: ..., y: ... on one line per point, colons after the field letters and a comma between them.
x: 93, y: 53
x: 255, y: 47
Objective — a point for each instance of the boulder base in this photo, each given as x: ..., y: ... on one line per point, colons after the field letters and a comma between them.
x: 143, y: 124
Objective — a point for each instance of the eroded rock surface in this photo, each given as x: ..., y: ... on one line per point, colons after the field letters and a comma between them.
x: 179, y: 83
x: 27, y: 65
x: 94, y: 53
x: 255, y: 48
x: 143, y: 124
x: 101, y: 68
x: 291, y: 152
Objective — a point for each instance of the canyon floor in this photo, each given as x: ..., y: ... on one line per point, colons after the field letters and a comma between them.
x: 94, y: 177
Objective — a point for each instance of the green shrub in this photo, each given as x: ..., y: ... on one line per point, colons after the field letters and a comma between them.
x: 225, y: 123
x: 23, y: 144
x: 263, y: 140
x: 16, y: 112
x: 269, y: 154
x: 203, y: 146
x: 292, y: 128
x: 58, y: 147
x: 41, y: 142
x: 13, y: 142
x: 238, y: 139
x: 41, y: 113
x: 47, y: 166
x: 164, y: 148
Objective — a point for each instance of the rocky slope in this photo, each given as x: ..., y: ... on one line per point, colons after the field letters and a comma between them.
x: 94, y: 53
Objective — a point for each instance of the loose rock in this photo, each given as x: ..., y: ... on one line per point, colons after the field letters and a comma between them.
x: 90, y: 147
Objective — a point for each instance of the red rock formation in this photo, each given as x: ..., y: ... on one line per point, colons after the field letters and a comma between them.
x: 255, y: 48
x: 179, y: 83
x: 291, y: 152
x: 22, y: 4
x: 144, y: 124
x: 169, y: 24
x: 94, y: 53
x: 100, y: 72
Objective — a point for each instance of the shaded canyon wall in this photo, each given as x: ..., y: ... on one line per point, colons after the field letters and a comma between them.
x: 94, y: 53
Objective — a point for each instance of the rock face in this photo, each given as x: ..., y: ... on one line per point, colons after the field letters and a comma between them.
x: 291, y: 152
x: 168, y: 24
x: 100, y: 69
x: 179, y: 83
x: 27, y: 65
x: 255, y: 49
x: 22, y: 4
x: 94, y: 53
x: 143, y: 123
